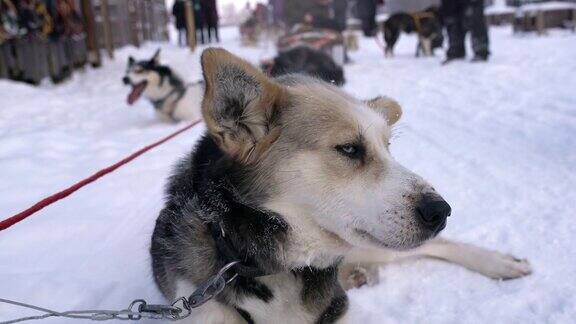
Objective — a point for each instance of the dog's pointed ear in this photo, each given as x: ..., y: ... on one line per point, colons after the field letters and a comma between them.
x: 391, y: 108
x: 156, y: 58
x: 241, y: 106
x: 131, y: 60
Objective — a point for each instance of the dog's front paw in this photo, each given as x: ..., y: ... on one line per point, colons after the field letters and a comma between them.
x: 357, y: 278
x: 504, y: 267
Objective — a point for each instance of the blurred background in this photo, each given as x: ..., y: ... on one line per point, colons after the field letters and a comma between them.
x: 51, y: 38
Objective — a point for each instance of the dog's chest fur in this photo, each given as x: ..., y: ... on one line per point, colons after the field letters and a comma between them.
x: 304, y: 296
x: 203, y: 201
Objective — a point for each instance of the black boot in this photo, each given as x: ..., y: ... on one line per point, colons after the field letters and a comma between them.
x: 479, y: 58
x: 453, y: 12
x: 478, y: 30
x: 450, y: 59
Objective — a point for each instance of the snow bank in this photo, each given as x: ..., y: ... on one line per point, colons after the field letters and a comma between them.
x: 549, y: 6
x: 495, y: 10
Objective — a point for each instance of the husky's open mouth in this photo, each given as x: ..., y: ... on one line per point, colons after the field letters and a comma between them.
x: 137, y: 90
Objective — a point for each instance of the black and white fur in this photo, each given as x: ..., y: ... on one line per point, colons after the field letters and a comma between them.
x: 294, y: 179
x: 171, y: 97
x: 427, y: 24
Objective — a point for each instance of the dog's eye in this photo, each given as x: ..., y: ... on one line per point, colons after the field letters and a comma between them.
x: 353, y: 151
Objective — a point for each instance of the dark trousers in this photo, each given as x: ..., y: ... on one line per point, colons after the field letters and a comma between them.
x: 200, y: 34
x: 461, y: 16
x: 367, y: 14
x: 213, y: 33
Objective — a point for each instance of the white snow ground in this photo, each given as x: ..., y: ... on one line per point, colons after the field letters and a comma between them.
x: 496, y: 139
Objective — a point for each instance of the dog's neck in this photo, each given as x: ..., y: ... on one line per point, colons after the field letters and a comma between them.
x: 272, y: 239
x: 169, y: 91
x: 241, y: 232
x: 308, y: 243
x: 275, y: 237
x: 167, y: 103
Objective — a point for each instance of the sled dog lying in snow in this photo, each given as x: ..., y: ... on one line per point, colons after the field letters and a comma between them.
x: 294, y: 179
x: 172, y: 99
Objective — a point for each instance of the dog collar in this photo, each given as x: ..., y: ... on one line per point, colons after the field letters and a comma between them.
x: 159, y: 104
x: 244, y: 268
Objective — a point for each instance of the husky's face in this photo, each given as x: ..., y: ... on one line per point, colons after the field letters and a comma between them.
x: 320, y: 153
x: 145, y: 78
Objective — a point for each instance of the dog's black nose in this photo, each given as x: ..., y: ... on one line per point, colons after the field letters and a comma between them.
x: 432, y: 212
x: 126, y: 80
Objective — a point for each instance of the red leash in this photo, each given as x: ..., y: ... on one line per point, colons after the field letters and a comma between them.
x: 68, y: 191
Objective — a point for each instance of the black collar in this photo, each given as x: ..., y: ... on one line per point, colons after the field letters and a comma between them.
x: 229, y: 254
x: 159, y: 104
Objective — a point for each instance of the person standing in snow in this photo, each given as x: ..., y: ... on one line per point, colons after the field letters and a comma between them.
x: 179, y: 13
x: 367, y: 14
x: 460, y: 16
x: 340, y: 8
x: 199, y: 22
x: 210, y: 16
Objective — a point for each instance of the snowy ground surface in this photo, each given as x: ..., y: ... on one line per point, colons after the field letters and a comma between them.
x: 497, y: 140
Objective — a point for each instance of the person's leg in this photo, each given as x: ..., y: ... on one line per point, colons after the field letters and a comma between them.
x: 367, y: 14
x: 210, y: 33
x: 372, y: 20
x: 200, y: 31
x: 478, y: 29
x: 216, y: 33
x: 453, y: 12
x: 185, y: 30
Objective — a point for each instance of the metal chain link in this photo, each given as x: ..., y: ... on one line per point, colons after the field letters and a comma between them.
x: 139, y: 308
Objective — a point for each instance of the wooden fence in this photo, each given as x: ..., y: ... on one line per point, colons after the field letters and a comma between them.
x: 123, y: 22
x: 108, y: 25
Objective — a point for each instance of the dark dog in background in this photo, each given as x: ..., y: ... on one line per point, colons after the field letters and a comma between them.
x: 305, y: 60
x: 427, y: 24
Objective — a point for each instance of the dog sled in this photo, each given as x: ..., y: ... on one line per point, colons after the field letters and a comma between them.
x: 324, y: 40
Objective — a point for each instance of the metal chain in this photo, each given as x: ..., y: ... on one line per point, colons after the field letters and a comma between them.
x: 139, y: 308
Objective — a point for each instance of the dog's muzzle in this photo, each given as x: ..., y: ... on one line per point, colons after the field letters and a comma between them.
x: 126, y: 80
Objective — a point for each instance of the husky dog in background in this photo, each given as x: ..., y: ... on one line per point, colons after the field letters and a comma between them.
x: 427, y: 24
x: 173, y: 100
x: 294, y: 178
